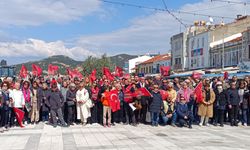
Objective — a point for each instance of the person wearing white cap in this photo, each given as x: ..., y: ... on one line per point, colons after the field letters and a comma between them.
x: 219, y: 104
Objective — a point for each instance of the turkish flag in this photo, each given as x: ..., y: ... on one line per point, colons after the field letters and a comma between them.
x: 164, y: 94
x: 114, y: 101
x: 198, y: 93
x: 19, y: 116
x: 165, y: 70
x: 93, y: 75
x: 52, y: 69
x: 107, y: 73
x: 145, y: 92
x: 226, y: 75
x: 36, y: 70
x: 196, y: 75
x: 23, y: 72
x: 118, y: 71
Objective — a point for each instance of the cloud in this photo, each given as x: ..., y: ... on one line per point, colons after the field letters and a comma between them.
x: 152, y: 33
x: 38, y: 49
x: 37, y: 12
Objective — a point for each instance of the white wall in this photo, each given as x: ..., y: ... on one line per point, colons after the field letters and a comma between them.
x: 198, y: 43
x: 135, y: 61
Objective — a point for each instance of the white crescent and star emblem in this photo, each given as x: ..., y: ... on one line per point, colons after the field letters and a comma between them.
x: 111, y: 97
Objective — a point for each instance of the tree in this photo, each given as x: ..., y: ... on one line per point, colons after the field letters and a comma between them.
x: 92, y: 63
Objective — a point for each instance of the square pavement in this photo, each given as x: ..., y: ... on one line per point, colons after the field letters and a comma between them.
x: 45, y: 137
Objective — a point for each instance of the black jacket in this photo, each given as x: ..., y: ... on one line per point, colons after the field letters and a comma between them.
x: 55, y: 99
x: 70, y: 96
x: 221, y: 99
x: 157, y: 103
x: 233, y: 97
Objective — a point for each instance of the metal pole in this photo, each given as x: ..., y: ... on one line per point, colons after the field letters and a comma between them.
x: 223, y: 50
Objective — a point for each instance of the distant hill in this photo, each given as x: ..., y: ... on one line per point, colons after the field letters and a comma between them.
x: 65, y: 61
x: 119, y: 60
x: 59, y: 60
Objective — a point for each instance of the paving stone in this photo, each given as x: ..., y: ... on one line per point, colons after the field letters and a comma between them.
x: 44, y: 137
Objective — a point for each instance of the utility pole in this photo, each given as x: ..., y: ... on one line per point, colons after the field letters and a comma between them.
x: 223, y: 50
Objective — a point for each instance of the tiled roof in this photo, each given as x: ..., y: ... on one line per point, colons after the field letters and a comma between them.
x: 157, y: 58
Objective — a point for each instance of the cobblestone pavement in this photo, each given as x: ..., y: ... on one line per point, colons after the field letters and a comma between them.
x: 45, y: 137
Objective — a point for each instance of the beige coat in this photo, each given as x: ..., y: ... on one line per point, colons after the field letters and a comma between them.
x: 206, y: 110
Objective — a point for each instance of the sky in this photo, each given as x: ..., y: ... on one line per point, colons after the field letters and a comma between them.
x: 35, y: 29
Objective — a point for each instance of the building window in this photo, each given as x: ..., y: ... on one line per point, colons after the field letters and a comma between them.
x: 203, y: 42
x: 192, y: 45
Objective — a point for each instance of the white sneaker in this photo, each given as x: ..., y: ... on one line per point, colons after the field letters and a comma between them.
x: 245, y: 124
x: 200, y: 124
x: 207, y: 124
x: 1, y: 130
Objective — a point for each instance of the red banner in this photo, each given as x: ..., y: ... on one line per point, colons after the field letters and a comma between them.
x: 145, y: 92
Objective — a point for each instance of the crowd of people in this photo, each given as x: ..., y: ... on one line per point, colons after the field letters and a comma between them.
x: 65, y: 102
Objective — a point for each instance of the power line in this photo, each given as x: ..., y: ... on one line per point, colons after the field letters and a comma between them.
x: 170, y: 13
x: 232, y: 2
x: 163, y: 10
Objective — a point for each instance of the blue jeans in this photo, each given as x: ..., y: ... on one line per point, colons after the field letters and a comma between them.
x: 165, y: 119
x: 155, y: 118
x: 244, y: 115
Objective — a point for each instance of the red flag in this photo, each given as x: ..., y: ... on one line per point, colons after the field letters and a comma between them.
x: 93, y: 75
x: 118, y: 71
x: 145, y: 92
x: 114, y: 101
x: 198, y: 93
x: 196, y: 75
x: 74, y: 73
x: 36, y: 70
x: 52, y: 69
x: 164, y: 94
x: 23, y: 72
x: 128, y: 97
x: 19, y: 116
x: 107, y: 73
x: 77, y: 74
x: 126, y: 76
x: 226, y: 75
x: 165, y: 70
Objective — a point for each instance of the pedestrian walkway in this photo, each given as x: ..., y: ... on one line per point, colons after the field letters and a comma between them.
x: 45, y: 137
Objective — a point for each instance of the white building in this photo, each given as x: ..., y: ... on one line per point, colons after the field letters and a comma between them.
x: 198, y: 50
x: 232, y: 51
x: 179, y: 52
x: 133, y: 62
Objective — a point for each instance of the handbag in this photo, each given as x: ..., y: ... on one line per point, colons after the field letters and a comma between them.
x: 89, y: 103
x: 70, y: 103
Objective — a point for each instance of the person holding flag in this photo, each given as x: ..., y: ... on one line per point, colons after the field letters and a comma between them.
x: 105, y: 99
x: 18, y: 103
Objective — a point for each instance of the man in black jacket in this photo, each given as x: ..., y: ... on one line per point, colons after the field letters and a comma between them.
x: 233, y: 103
x: 55, y: 102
